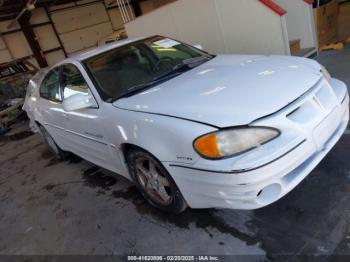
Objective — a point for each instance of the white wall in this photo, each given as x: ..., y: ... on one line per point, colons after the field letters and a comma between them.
x: 251, y: 27
x: 220, y: 26
x: 300, y: 22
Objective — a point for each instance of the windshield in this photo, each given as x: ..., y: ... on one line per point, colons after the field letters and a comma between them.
x: 131, y: 68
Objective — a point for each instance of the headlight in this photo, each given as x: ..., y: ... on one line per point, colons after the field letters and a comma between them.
x: 326, y: 74
x: 233, y: 141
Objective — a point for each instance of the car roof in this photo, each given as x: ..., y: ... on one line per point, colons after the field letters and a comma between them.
x: 40, y: 74
x: 101, y: 49
x: 95, y: 51
x: 85, y: 55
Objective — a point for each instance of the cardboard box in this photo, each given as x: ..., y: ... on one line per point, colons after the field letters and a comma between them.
x: 344, y: 21
x: 294, y: 46
x: 326, y: 20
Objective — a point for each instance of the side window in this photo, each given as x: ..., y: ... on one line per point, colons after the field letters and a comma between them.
x: 50, y: 87
x: 73, y: 81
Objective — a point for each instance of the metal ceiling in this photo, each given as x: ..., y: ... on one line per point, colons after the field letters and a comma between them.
x: 9, y: 9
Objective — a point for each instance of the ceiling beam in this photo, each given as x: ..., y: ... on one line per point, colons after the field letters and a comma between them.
x: 7, y: 17
x: 10, y: 11
x: 11, y: 8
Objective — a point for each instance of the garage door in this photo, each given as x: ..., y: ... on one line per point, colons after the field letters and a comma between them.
x: 81, y: 27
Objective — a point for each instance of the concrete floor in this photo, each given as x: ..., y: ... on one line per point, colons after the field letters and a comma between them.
x: 74, y: 207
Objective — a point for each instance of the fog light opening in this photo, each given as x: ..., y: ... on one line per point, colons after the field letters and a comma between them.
x: 269, y: 194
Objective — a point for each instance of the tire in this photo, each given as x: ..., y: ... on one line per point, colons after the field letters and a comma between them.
x: 59, y: 153
x: 154, y: 182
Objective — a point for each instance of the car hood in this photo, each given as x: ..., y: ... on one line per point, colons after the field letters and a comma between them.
x: 229, y: 90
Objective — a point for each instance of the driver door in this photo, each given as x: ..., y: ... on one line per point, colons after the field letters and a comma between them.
x: 84, y: 131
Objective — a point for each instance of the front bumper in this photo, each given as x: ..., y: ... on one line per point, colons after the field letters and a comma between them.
x: 257, y: 187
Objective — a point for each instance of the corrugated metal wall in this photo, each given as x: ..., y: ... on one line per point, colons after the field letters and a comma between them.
x: 13, y: 43
x: 79, y: 26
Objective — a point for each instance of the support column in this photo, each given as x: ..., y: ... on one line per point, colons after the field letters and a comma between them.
x: 29, y: 34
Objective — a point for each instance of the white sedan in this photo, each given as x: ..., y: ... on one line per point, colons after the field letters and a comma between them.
x: 190, y: 128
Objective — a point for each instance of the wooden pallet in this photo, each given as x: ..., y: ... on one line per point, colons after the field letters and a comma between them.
x: 336, y: 44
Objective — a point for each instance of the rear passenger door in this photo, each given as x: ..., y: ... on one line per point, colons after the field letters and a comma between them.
x: 85, y: 133
x: 50, y: 107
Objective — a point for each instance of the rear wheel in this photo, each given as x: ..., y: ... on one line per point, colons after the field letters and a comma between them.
x: 154, y: 182
x: 60, y: 154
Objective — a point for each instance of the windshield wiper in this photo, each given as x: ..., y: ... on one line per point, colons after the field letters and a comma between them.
x: 176, y: 70
x: 191, y: 62
x: 142, y: 87
x: 135, y: 90
x: 186, y: 64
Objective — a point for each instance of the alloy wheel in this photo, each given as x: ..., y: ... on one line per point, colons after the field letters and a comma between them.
x: 153, y: 182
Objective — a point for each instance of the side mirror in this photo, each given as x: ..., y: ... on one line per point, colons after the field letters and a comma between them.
x: 200, y: 47
x: 78, y: 101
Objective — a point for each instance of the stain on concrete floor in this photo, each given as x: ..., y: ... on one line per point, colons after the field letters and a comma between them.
x: 74, y: 207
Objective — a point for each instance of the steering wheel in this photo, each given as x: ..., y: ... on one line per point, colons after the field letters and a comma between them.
x: 161, y: 60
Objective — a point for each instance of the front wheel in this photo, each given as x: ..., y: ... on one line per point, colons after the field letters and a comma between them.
x: 154, y: 182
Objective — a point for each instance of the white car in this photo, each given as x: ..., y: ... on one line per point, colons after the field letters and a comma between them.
x: 190, y: 128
